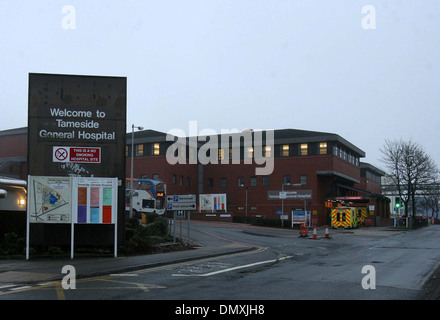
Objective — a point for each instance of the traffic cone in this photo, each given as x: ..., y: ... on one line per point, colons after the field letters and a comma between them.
x: 327, y: 236
x: 315, y: 235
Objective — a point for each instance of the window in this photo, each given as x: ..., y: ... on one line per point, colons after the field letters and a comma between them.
x: 253, y: 181
x: 181, y: 181
x: 250, y: 153
x: 221, y: 154
x: 223, y: 182
x: 139, y: 150
x: 188, y: 182
x: 156, y: 149
x: 304, y: 148
x: 155, y: 176
x: 303, y: 180
x: 126, y: 151
x: 240, y: 181
x: 210, y: 182
x: 323, y: 148
x: 267, y: 151
x: 285, y: 150
x: 286, y: 179
x: 266, y: 181
x: 174, y: 179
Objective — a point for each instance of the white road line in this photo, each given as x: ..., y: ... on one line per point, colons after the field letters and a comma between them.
x: 231, y: 269
x: 8, y: 286
x: 20, y: 288
x: 236, y: 268
x: 124, y: 275
x: 47, y: 283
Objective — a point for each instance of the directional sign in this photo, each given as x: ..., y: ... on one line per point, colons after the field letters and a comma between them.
x: 181, y: 206
x: 181, y: 202
x: 182, y: 198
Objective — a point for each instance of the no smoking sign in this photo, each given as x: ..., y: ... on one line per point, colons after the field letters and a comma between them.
x: 77, y: 154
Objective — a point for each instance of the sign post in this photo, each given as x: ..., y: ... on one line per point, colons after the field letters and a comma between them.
x: 179, y: 204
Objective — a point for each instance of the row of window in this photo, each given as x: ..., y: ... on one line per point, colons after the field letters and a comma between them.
x: 139, y: 150
x: 284, y: 150
x: 255, y: 181
x: 181, y: 181
x: 267, y: 150
x: 346, y: 155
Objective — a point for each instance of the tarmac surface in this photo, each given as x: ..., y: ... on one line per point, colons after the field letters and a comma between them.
x: 42, y: 270
x: 38, y: 270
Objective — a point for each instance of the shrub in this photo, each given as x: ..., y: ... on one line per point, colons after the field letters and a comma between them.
x: 144, y: 239
x: 12, y: 244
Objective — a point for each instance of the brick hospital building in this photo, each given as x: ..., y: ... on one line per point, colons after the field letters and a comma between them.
x: 322, y: 165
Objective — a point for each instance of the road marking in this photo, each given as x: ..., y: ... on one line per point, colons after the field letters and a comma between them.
x: 8, y: 286
x: 124, y: 275
x: 232, y: 269
x: 20, y: 288
x: 60, y: 292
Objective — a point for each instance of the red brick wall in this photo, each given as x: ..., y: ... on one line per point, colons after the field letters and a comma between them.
x: 13, y: 146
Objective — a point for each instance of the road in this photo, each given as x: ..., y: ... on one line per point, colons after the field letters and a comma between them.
x: 281, y: 266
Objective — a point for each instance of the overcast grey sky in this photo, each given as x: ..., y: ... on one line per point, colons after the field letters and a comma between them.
x: 261, y: 64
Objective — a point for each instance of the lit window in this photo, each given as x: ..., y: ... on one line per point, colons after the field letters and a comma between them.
x: 221, y: 154
x: 323, y: 148
x: 156, y: 149
x: 267, y: 151
x: 285, y: 150
x: 250, y: 152
x: 304, y: 148
x: 139, y: 149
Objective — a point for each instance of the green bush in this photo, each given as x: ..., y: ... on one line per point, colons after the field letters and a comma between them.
x: 12, y: 244
x: 157, y: 228
x: 144, y: 239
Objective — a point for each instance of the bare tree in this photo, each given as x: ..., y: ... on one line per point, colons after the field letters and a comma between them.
x: 431, y: 197
x: 409, y: 168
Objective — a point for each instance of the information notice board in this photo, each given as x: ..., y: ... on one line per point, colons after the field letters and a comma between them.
x: 94, y: 200
x: 74, y: 200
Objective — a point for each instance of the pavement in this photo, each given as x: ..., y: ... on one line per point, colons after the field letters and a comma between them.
x: 41, y: 270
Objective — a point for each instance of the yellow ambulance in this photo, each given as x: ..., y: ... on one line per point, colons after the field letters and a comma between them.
x: 344, y: 217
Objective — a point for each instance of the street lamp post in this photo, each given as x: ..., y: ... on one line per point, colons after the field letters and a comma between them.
x: 131, y: 167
